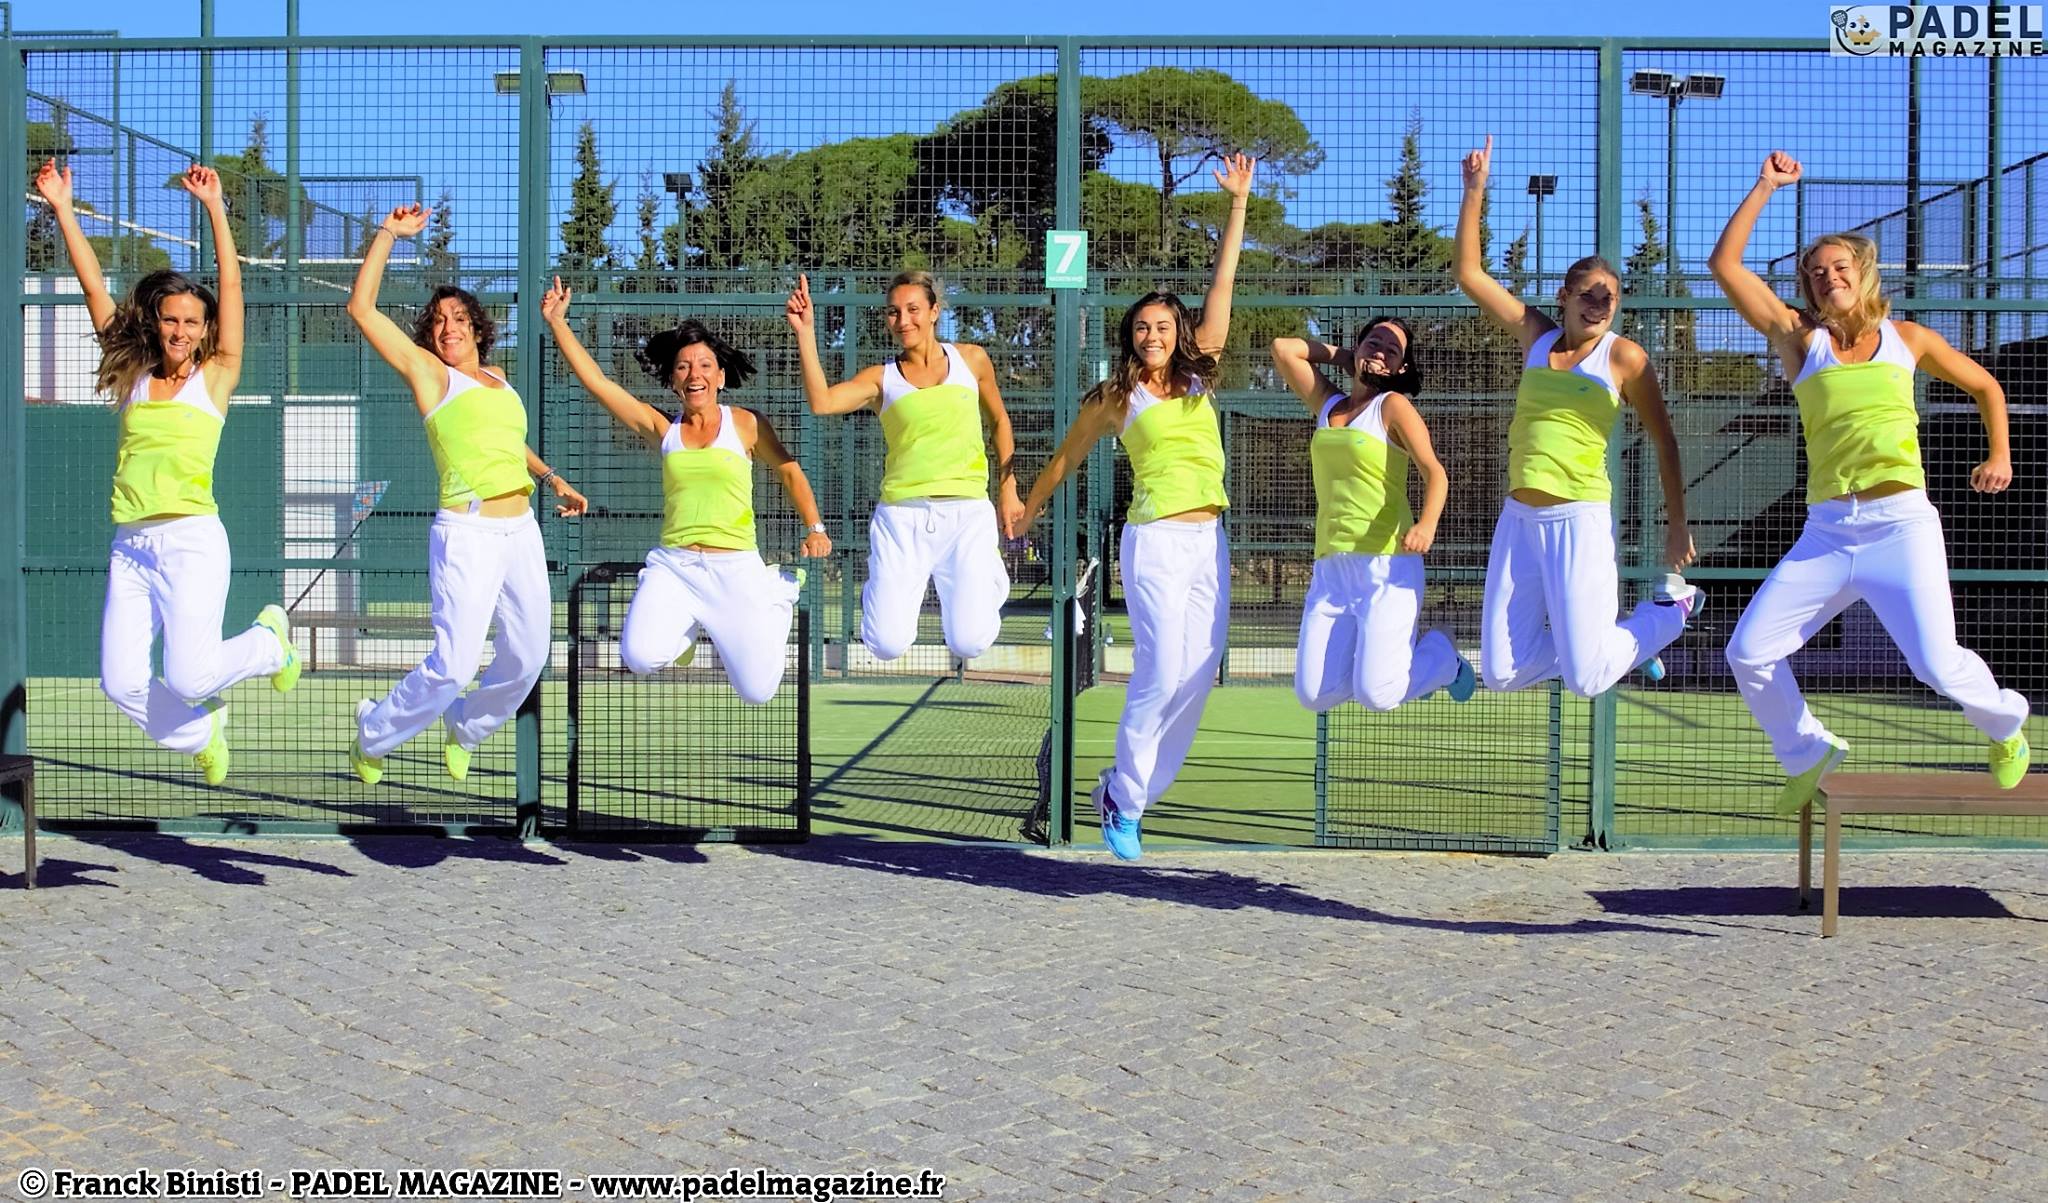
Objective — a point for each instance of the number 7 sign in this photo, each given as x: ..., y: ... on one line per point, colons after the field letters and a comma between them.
x: 1066, y: 258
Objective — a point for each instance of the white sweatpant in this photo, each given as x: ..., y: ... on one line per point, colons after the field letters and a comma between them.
x: 1551, y: 602
x: 950, y: 542
x: 1358, y: 636
x: 744, y: 606
x: 476, y: 566
x: 1177, y: 584
x: 1889, y: 553
x: 172, y: 575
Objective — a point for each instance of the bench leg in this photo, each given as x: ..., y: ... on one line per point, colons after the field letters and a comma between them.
x: 1831, y: 874
x: 1806, y: 856
x: 28, y: 834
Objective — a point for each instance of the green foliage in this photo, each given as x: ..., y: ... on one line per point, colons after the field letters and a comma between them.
x: 591, y: 209
x: 257, y: 199
x: 438, y: 261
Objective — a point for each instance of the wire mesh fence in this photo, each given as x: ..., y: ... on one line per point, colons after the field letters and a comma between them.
x: 664, y: 181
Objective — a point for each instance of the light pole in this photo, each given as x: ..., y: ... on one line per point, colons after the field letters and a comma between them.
x: 559, y: 83
x: 678, y: 183
x: 1674, y: 90
x: 1541, y: 186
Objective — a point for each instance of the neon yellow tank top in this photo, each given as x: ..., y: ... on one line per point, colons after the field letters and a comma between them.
x: 1558, y: 440
x: 478, y: 436
x: 1860, y: 424
x: 707, y: 493
x: 933, y: 434
x: 164, y: 461
x: 1176, y: 452
x: 1361, y: 484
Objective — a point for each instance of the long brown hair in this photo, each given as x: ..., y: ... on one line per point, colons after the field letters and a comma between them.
x: 1187, y: 362
x: 1870, y: 308
x: 130, y: 347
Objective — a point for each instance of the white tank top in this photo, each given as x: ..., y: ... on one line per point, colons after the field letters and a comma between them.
x: 1891, y: 348
x: 1596, y: 366
x: 957, y: 373
x: 727, y: 437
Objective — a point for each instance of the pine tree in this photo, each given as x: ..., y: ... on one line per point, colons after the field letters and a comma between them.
x: 437, y: 257
x: 591, y: 210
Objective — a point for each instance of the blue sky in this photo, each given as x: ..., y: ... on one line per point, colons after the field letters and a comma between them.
x: 1724, y: 18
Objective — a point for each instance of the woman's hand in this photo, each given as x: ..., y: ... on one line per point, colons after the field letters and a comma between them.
x: 55, y: 185
x: 1479, y: 165
x: 406, y: 221
x: 204, y: 183
x: 816, y: 545
x: 571, y: 503
x: 1236, y: 174
x: 554, y: 305
x: 1678, y: 548
x: 797, y: 311
x: 1993, y: 475
x: 1780, y: 169
x: 1419, y: 538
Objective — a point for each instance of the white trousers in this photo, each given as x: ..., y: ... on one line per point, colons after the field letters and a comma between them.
x: 1551, y: 602
x: 172, y: 575
x: 476, y: 567
x: 1177, y: 584
x: 1358, y: 636
x: 950, y: 542
x: 744, y: 606
x: 1889, y: 553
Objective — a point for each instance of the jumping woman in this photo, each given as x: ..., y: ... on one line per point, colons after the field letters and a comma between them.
x: 1871, y: 535
x: 484, y: 553
x: 1551, y: 581
x: 1174, y: 561
x: 706, y: 575
x: 1358, y: 621
x: 170, y: 355
x: 934, y: 523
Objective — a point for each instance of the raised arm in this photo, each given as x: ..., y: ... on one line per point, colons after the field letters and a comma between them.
x: 224, y: 367
x: 1089, y: 426
x: 1214, y: 329
x: 1469, y: 260
x: 825, y: 397
x: 1411, y: 434
x: 55, y: 186
x: 425, y: 373
x: 632, y: 413
x: 1942, y: 360
x: 1755, y: 300
x: 1639, y: 387
x: 1000, y: 434
x: 1295, y: 358
x: 768, y: 449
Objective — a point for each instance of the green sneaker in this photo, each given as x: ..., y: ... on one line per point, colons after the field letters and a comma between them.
x: 370, y: 769
x: 278, y: 623
x: 1800, y: 790
x: 456, y: 757
x: 214, y: 757
x: 2009, y: 760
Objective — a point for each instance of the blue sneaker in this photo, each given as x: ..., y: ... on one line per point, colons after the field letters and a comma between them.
x: 1464, y: 684
x: 1653, y: 668
x: 1674, y: 590
x: 1119, y: 830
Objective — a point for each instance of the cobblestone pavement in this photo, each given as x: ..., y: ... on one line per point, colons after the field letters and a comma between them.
x: 1304, y: 1026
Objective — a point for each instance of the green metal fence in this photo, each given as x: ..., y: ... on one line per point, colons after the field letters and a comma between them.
x: 697, y: 177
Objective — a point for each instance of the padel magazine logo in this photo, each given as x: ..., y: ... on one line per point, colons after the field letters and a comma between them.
x: 1936, y: 30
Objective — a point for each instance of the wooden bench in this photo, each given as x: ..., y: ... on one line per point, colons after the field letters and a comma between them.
x: 23, y: 769
x: 341, y: 621
x: 1900, y: 794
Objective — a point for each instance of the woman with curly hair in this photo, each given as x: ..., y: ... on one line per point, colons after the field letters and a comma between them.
x: 484, y: 553
x: 706, y: 576
x: 1159, y: 404
x: 171, y: 354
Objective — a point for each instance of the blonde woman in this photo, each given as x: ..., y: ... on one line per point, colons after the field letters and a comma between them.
x: 1871, y: 535
x: 171, y: 353
x: 934, y: 524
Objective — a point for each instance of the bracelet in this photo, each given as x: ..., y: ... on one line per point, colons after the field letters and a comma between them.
x: 816, y: 528
x: 551, y: 474
x: 385, y: 230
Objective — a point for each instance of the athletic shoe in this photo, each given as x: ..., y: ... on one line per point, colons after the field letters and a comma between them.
x: 456, y: 757
x: 2009, y: 760
x: 1674, y: 590
x: 1653, y: 668
x: 278, y: 623
x: 214, y: 757
x: 369, y: 768
x: 1119, y: 830
x: 1464, y: 684
x: 1800, y: 790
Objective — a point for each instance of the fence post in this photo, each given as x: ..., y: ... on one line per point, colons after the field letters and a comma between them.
x: 13, y: 433
x: 533, y: 253
x: 1600, y: 812
x: 1066, y: 403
